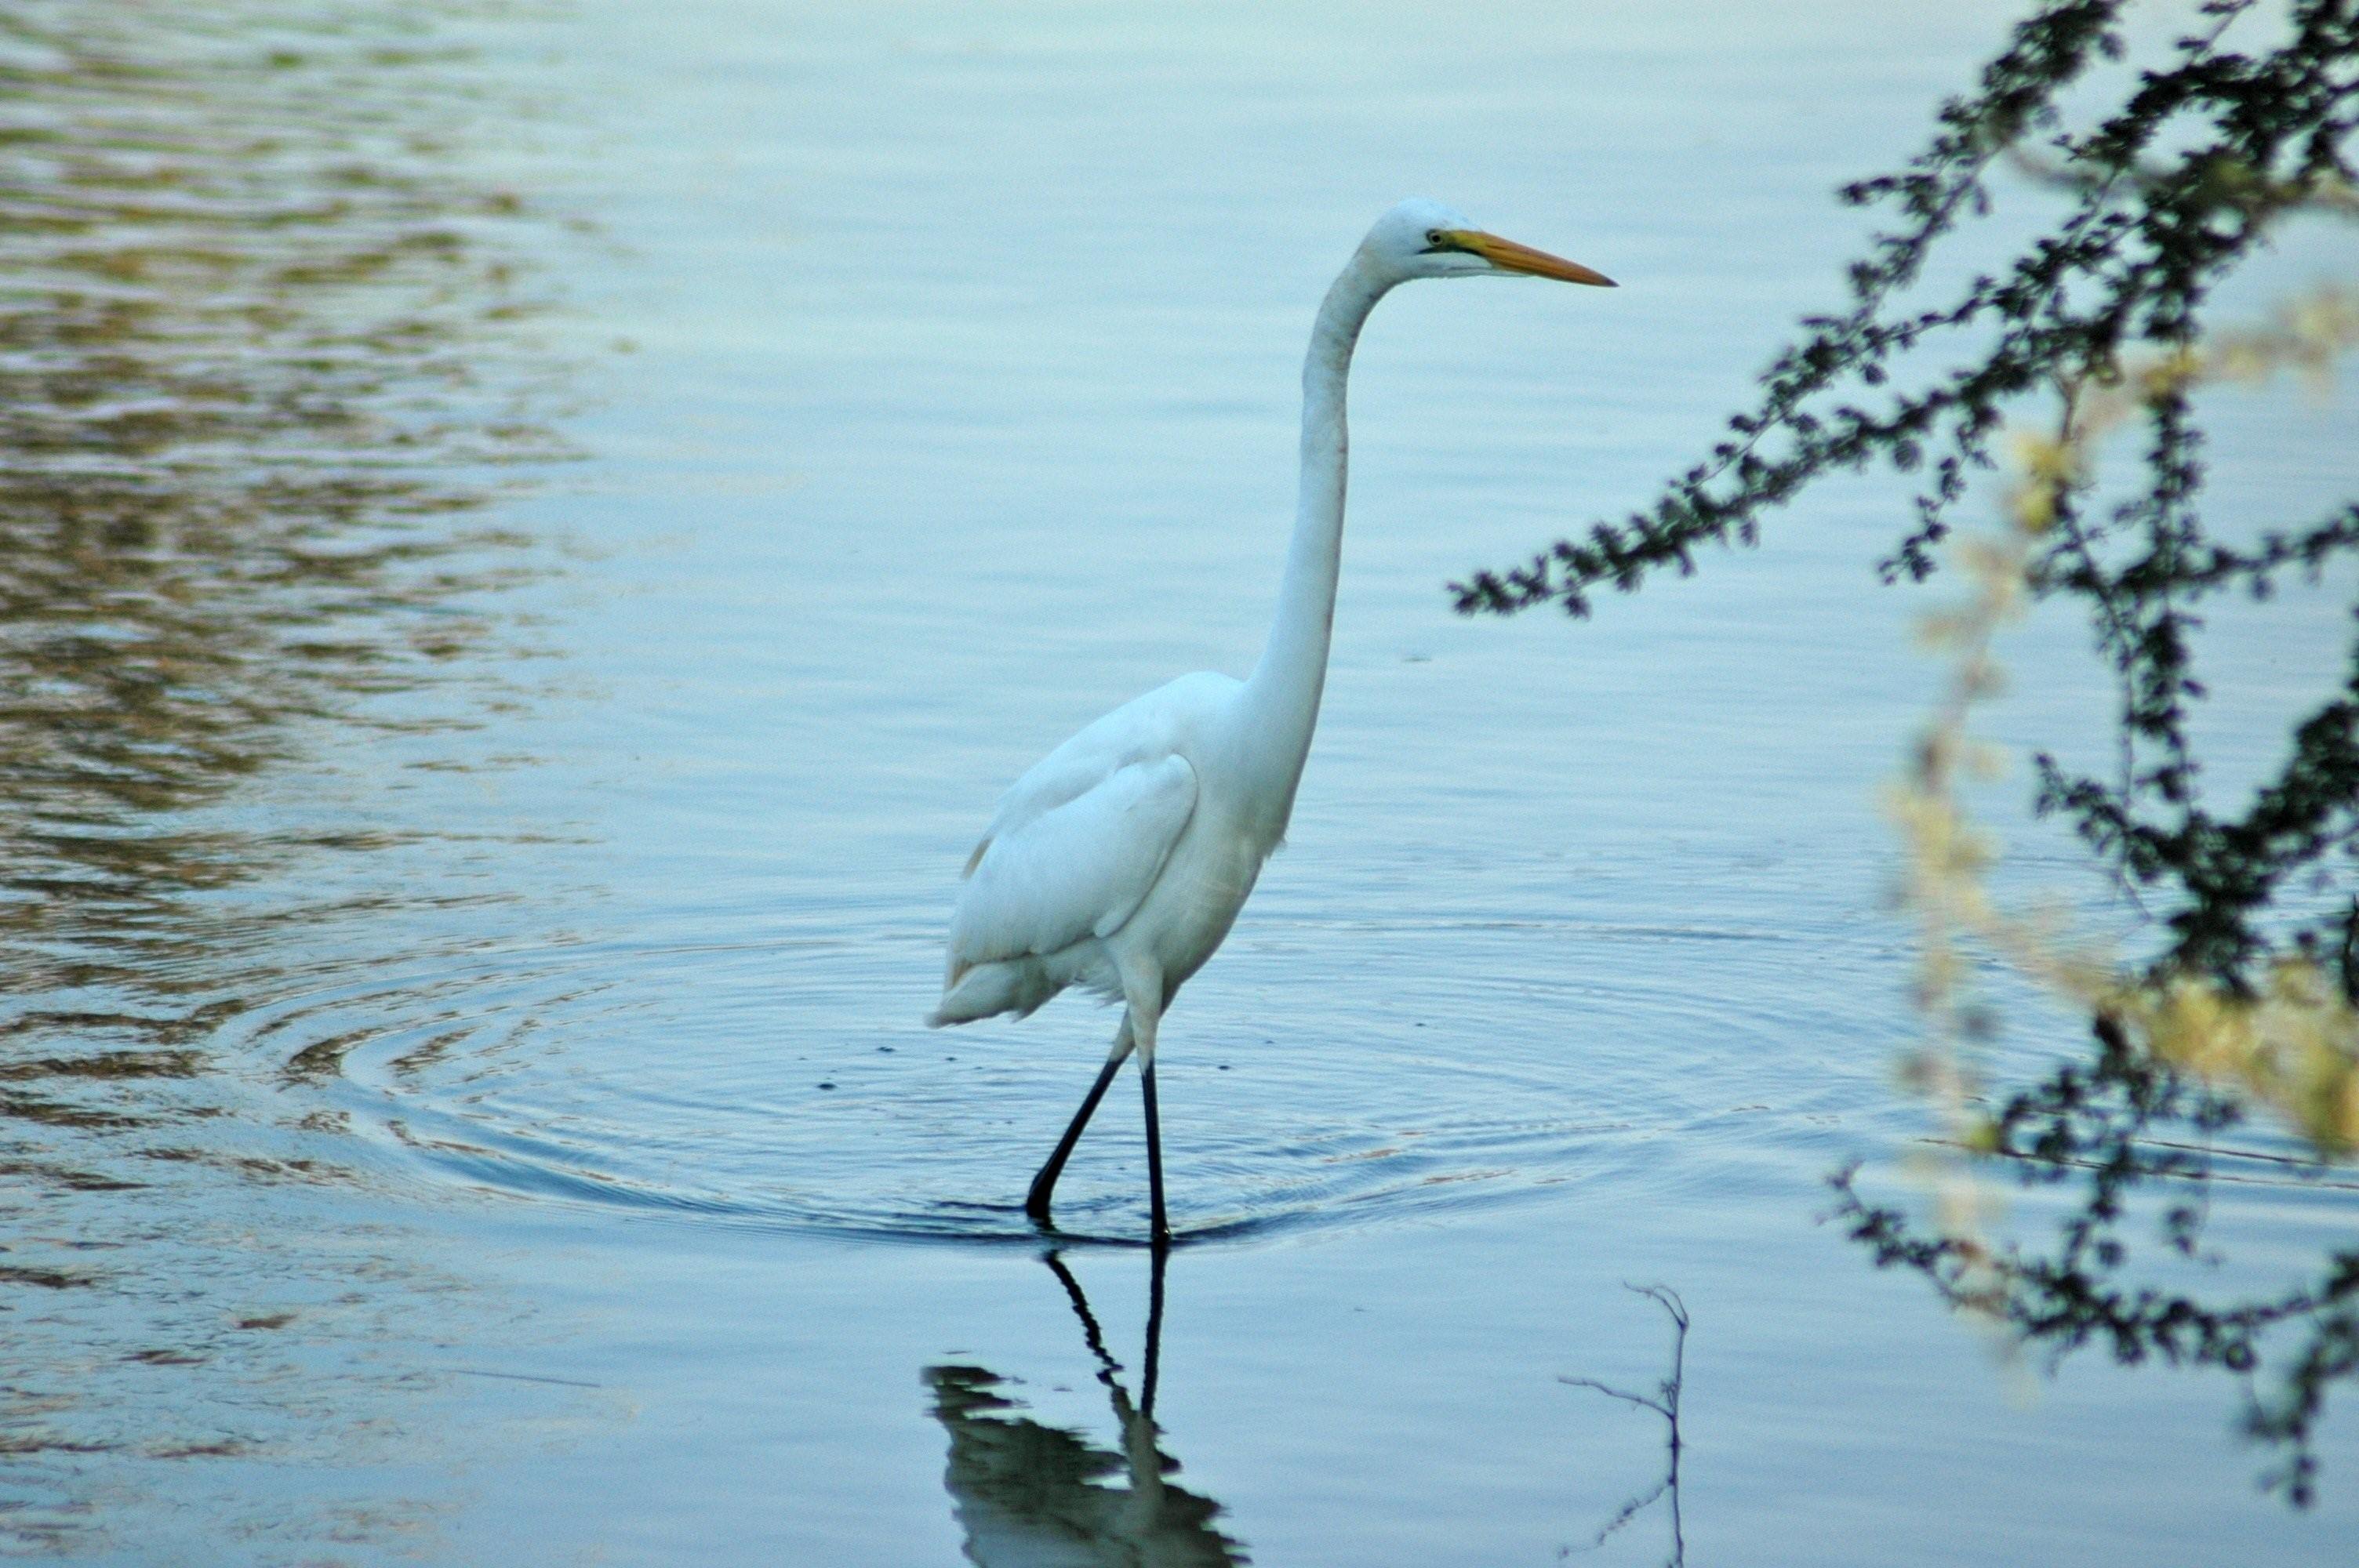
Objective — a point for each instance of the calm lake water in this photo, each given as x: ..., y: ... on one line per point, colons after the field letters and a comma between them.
x: 534, y: 534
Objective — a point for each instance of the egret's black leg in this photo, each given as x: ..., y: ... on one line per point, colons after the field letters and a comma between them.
x: 1036, y: 1202
x: 1162, y: 1228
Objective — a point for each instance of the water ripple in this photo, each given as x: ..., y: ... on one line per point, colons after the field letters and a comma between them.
x: 765, y: 1084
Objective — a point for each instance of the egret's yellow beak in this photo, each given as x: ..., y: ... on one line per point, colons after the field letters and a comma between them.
x: 1512, y: 257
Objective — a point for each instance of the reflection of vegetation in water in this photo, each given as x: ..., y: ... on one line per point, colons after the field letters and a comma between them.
x: 1031, y: 1496
x: 262, y: 359
x: 249, y: 381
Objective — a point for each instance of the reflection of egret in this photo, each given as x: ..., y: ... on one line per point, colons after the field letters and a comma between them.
x: 1119, y: 861
x: 1030, y: 1496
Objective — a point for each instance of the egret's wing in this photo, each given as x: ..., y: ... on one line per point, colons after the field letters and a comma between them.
x: 1077, y: 868
x: 1144, y: 729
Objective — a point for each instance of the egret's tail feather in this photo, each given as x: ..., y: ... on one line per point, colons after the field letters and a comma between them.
x: 1018, y: 986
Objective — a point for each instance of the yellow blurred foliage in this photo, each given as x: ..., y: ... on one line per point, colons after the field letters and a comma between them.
x: 2292, y: 1045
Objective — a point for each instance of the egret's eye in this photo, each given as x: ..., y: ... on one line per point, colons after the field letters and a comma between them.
x: 1433, y: 237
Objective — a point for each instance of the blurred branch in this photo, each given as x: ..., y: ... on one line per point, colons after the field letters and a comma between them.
x: 2173, y: 185
x: 2323, y: 192
x: 2290, y: 1042
x: 2176, y: 1043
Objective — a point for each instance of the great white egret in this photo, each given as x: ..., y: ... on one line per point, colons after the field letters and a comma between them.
x: 1119, y: 861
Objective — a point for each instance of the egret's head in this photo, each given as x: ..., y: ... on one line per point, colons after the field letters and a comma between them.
x: 1424, y: 239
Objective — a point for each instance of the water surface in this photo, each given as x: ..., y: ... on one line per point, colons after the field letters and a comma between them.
x: 534, y: 539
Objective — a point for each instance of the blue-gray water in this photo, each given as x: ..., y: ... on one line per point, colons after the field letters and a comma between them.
x: 535, y: 533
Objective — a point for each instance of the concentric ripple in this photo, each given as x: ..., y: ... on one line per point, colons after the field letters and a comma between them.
x: 780, y: 1081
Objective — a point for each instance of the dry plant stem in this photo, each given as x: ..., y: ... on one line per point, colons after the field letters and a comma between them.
x: 1664, y: 1403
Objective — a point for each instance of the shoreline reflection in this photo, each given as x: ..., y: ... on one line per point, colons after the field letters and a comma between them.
x: 267, y: 376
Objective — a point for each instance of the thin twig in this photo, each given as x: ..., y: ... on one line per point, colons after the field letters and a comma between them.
x: 1667, y: 1407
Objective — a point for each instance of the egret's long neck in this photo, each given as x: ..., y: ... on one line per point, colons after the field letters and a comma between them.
x: 1282, y: 694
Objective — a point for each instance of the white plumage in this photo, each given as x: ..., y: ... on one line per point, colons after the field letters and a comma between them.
x: 1078, y: 844
x: 1119, y: 861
